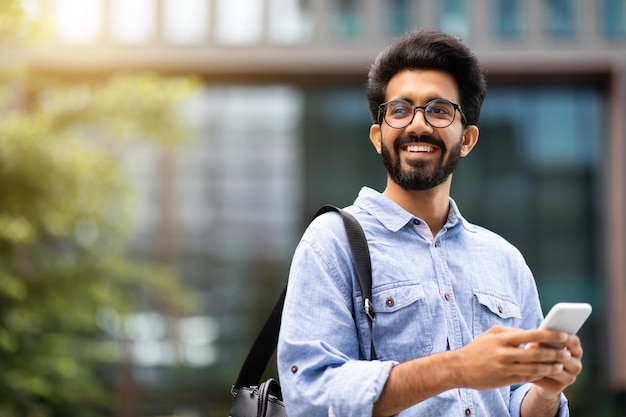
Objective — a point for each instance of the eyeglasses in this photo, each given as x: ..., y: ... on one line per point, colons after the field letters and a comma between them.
x: 438, y: 113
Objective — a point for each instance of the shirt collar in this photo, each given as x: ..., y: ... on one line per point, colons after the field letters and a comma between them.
x: 394, y: 217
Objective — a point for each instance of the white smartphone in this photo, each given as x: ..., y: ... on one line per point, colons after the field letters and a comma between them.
x: 566, y: 317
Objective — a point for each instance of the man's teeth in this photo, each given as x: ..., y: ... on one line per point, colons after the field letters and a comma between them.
x: 420, y: 148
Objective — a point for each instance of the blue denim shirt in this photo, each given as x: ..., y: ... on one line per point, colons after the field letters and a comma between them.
x: 430, y: 294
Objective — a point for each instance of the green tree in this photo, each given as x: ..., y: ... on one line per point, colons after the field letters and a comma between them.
x: 65, y: 224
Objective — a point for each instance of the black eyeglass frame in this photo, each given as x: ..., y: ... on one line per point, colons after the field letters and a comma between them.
x: 381, y: 112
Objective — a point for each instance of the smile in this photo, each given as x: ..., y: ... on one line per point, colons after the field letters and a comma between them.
x: 420, y: 148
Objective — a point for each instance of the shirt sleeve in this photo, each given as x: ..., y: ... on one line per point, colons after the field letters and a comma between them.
x: 321, y: 364
x: 517, y: 396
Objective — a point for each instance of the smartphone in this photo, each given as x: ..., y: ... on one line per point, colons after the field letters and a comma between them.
x: 566, y: 317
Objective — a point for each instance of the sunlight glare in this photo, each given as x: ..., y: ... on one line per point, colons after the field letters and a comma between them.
x: 186, y: 21
x: 133, y: 22
x: 78, y: 21
x: 239, y: 22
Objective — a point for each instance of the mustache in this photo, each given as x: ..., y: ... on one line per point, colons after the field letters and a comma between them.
x: 406, y: 139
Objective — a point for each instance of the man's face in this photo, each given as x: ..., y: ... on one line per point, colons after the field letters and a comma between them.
x: 419, y: 156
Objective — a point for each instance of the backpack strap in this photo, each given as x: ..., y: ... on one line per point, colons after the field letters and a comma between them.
x: 265, y: 343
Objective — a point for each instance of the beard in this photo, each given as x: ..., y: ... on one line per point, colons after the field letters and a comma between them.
x: 418, y: 177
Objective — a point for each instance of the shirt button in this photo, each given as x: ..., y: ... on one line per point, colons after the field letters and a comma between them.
x: 390, y: 302
x: 446, y: 296
x: 468, y: 412
x: 436, y: 244
x: 294, y: 369
x: 416, y: 222
x: 500, y: 309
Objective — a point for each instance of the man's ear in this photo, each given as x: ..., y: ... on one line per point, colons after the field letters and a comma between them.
x: 470, y: 138
x: 376, y: 137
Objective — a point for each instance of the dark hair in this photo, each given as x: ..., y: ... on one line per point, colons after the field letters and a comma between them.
x: 429, y: 49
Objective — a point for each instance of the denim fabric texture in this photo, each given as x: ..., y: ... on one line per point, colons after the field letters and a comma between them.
x: 430, y: 293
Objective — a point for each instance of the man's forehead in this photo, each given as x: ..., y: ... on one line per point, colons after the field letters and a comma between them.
x: 422, y: 85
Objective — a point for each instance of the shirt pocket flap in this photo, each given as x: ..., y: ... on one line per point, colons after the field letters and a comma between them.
x: 499, y: 305
x: 393, y: 299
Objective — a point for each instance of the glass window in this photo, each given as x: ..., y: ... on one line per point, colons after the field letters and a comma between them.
x: 613, y: 18
x: 230, y: 199
x: 243, y: 158
x: 561, y: 18
x: 239, y: 22
x: 454, y: 17
x: 347, y: 19
x: 338, y: 159
x: 400, y: 16
x: 78, y: 21
x: 537, y: 173
x: 133, y: 22
x: 291, y: 21
x: 186, y: 21
x: 507, y: 18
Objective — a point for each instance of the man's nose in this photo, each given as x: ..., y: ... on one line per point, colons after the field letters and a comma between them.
x: 419, y: 122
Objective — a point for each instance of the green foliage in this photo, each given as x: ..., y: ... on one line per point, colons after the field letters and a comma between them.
x: 16, y: 24
x: 65, y: 221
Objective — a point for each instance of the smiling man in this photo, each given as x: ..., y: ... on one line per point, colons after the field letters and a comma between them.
x: 454, y: 302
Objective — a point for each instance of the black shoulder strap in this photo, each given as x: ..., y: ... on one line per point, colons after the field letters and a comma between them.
x: 262, y: 349
x: 362, y: 263
x: 265, y: 343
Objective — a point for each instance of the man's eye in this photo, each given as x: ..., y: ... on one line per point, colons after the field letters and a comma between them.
x: 399, y: 110
x: 439, y: 109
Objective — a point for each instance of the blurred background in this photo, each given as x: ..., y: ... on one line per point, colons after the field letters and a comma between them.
x: 159, y: 160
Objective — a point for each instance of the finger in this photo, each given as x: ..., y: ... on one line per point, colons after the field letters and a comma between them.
x: 544, y: 355
x: 558, y: 381
x: 563, y: 378
x: 551, y: 384
x: 567, y: 376
x: 537, y: 370
x: 574, y: 346
x: 573, y: 366
x: 537, y: 336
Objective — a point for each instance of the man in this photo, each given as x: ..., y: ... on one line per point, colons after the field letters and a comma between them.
x: 456, y: 305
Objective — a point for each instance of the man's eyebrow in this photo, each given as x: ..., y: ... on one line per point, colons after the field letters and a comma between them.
x: 428, y: 99
x: 401, y: 99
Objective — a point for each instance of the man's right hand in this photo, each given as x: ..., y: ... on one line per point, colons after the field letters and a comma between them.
x: 496, y: 358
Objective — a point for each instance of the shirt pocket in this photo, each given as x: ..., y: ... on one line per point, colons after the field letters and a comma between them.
x: 402, y: 329
x: 491, y: 309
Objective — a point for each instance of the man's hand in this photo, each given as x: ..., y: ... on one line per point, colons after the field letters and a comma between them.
x: 544, y: 397
x: 553, y: 385
x: 496, y: 358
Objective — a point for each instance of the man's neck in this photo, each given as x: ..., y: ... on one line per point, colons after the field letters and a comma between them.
x: 431, y: 205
